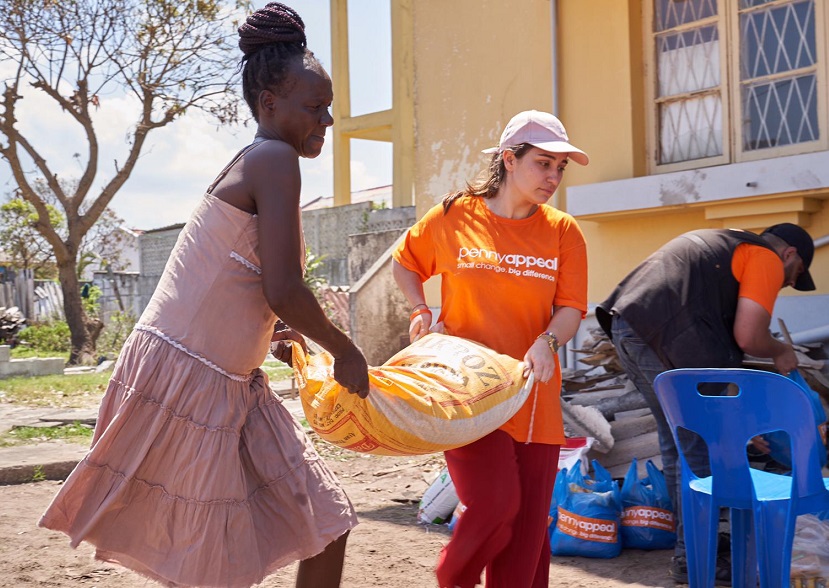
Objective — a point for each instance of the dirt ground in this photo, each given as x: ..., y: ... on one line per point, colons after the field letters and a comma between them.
x: 389, y: 549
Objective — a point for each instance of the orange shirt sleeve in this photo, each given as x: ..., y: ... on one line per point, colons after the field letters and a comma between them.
x: 417, y: 251
x: 572, y: 277
x: 760, y: 273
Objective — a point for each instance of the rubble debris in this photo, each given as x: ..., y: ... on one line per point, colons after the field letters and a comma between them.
x: 601, y: 400
x: 12, y: 322
x: 587, y: 421
x: 630, y: 400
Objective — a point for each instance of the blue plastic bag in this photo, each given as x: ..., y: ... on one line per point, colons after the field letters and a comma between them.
x: 648, y: 519
x: 588, y: 514
x: 575, y: 476
x: 780, y: 449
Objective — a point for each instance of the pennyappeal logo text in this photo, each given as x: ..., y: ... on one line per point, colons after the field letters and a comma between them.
x: 513, y: 259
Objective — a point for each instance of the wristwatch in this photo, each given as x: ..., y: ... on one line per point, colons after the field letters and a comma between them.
x: 551, y: 340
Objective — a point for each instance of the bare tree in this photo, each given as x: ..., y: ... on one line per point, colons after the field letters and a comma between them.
x: 171, y: 56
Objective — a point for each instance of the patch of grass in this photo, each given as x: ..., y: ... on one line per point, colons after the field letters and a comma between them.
x: 25, y: 352
x: 277, y: 370
x: 38, y: 475
x: 74, y: 433
x: 73, y: 391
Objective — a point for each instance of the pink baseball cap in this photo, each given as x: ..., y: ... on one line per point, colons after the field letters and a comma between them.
x: 539, y: 129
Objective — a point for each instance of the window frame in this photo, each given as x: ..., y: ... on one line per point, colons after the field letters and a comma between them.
x: 820, y: 68
x: 728, y: 26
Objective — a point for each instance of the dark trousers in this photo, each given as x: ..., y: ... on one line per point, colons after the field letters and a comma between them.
x: 642, y: 365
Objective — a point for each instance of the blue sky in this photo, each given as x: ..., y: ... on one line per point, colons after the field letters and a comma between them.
x: 181, y: 160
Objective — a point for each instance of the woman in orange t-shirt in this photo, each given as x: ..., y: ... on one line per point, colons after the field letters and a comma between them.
x: 514, y: 278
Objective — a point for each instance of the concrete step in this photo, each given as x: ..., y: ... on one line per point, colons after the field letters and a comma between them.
x: 44, y: 461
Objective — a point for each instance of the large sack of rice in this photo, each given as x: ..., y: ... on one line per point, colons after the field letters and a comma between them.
x: 439, y: 393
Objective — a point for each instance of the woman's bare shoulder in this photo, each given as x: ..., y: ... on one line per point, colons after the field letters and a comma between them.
x: 271, y: 161
x: 272, y: 152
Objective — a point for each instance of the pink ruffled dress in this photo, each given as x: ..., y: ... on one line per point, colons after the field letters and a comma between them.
x: 197, y: 474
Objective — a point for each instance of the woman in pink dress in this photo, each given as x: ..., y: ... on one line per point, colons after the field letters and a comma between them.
x: 197, y: 474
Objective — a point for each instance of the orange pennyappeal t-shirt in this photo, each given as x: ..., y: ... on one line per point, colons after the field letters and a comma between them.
x: 500, y: 280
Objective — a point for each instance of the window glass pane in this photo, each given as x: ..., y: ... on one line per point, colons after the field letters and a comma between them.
x: 780, y: 113
x: 672, y: 13
x: 690, y: 129
x: 688, y: 61
x: 777, y: 39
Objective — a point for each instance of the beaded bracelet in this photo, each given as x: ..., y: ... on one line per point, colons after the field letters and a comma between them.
x: 418, y: 312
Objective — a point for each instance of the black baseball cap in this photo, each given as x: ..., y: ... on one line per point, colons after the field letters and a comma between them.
x: 798, y: 238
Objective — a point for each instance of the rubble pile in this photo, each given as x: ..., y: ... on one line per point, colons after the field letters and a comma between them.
x: 600, y: 401
x: 12, y: 322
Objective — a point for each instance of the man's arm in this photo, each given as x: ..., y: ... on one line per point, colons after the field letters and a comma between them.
x: 751, y: 331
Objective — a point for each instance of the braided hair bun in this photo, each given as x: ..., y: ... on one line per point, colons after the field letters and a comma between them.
x: 275, y: 23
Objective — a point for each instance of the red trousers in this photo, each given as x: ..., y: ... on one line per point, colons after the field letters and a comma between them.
x: 506, y: 487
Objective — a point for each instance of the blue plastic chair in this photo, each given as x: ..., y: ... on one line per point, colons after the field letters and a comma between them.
x: 761, y: 501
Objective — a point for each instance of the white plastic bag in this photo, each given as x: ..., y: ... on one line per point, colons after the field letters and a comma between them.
x: 573, y: 452
x: 439, y: 500
x: 810, y: 549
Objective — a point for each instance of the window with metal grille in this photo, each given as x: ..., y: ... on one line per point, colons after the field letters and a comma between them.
x: 734, y: 80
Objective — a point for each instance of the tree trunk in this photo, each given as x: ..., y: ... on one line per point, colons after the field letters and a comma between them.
x: 82, y: 336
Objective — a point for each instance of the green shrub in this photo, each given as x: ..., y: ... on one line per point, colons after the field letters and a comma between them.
x: 51, y: 337
x: 54, y: 338
x: 89, y: 300
x: 115, y: 332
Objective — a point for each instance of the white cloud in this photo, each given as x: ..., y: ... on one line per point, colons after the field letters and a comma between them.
x: 361, y: 177
x: 371, y: 164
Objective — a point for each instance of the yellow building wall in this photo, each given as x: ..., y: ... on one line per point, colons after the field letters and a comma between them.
x: 600, y: 87
x: 600, y: 96
x: 476, y: 64
x: 818, y: 227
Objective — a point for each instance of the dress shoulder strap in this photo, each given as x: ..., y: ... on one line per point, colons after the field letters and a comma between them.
x: 258, y: 141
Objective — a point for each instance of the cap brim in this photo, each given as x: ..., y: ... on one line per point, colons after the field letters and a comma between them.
x: 804, y: 282
x: 574, y: 153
